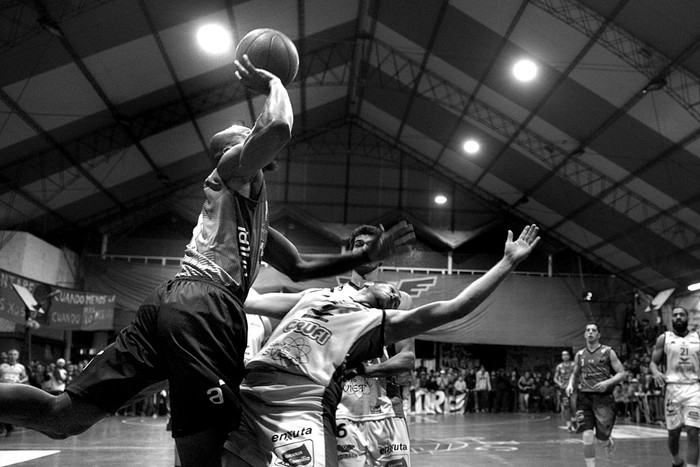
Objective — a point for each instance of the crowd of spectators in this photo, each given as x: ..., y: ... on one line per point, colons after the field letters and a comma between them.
x: 462, y: 385
x: 51, y: 376
x: 479, y: 390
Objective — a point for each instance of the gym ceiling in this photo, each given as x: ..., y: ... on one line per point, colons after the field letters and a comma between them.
x: 106, y: 108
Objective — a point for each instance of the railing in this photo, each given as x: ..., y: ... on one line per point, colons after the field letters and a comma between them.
x: 177, y: 260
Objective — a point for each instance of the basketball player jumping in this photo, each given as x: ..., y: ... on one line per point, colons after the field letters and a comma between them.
x: 191, y: 331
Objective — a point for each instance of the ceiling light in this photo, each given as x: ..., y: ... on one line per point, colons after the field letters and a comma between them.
x: 440, y: 199
x: 525, y: 70
x: 214, y: 39
x: 471, y: 146
x: 693, y: 287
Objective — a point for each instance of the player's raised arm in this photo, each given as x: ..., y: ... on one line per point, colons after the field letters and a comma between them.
x: 405, y: 324
x: 240, y: 163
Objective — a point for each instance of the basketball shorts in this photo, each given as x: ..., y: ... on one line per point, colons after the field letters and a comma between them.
x: 283, y: 424
x: 596, y: 411
x: 189, y: 332
x: 682, y: 402
x: 373, y: 443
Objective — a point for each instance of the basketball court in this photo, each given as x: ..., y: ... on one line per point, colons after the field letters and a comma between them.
x: 536, y: 440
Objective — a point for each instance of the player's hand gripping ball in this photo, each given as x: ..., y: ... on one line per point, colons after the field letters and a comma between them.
x: 270, y: 50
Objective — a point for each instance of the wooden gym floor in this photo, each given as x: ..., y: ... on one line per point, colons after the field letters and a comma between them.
x: 437, y: 440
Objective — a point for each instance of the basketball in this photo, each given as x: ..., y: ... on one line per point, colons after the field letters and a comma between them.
x: 272, y: 51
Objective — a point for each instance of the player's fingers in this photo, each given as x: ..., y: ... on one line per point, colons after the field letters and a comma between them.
x: 247, y: 62
x: 532, y: 234
x: 406, y: 240
x: 401, y: 229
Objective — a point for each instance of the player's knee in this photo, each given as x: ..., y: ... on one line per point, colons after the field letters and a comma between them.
x: 588, y: 437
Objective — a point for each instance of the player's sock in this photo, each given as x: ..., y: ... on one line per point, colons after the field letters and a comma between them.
x: 590, y: 461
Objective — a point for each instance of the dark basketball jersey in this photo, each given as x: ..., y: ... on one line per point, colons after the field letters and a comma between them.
x: 229, y: 238
x: 595, y: 367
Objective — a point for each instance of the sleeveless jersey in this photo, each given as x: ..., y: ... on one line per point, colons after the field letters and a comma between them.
x: 595, y: 367
x: 315, y: 337
x: 682, y: 357
x: 229, y: 238
x: 563, y: 371
x: 364, y: 398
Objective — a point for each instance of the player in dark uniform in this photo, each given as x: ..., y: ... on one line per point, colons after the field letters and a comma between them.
x: 597, y: 370
x: 191, y: 331
x: 562, y: 374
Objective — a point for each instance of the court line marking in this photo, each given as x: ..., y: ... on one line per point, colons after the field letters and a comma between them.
x: 16, y: 457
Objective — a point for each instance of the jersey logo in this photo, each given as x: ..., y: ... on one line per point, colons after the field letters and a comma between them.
x: 415, y: 287
x: 216, y: 396
x: 311, y: 330
x: 320, y: 312
x: 296, y: 454
x: 294, y: 350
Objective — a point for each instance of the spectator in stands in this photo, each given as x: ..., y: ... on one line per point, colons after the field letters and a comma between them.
x: 61, y: 374
x: 502, y: 392
x: 620, y: 401
x: 460, y: 392
x: 548, y: 395
x: 470, y: 379
x: 535, y: 397
x: 12, y: 372
x: 514, y: 391
x: 633, y: 393
x: 525, y: 385
x: 482, y: 388
x: 38, y: 376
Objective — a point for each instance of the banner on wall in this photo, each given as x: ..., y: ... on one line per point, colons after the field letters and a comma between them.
x: 524, y: 310
x: 63, y: 308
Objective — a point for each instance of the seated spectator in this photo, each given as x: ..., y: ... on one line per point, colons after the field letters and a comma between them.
x: 548, y: 396
x: 620, y: 401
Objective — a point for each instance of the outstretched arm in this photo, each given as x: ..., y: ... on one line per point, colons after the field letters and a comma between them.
x: 405, y: 324
x: 272, y: 305
x: 281, y: 254
x: 272, y: 130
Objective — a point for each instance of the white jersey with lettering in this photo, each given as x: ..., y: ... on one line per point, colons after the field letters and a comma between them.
x: 317, y: 335
x: 290, y: 393
x: 682, y: 357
